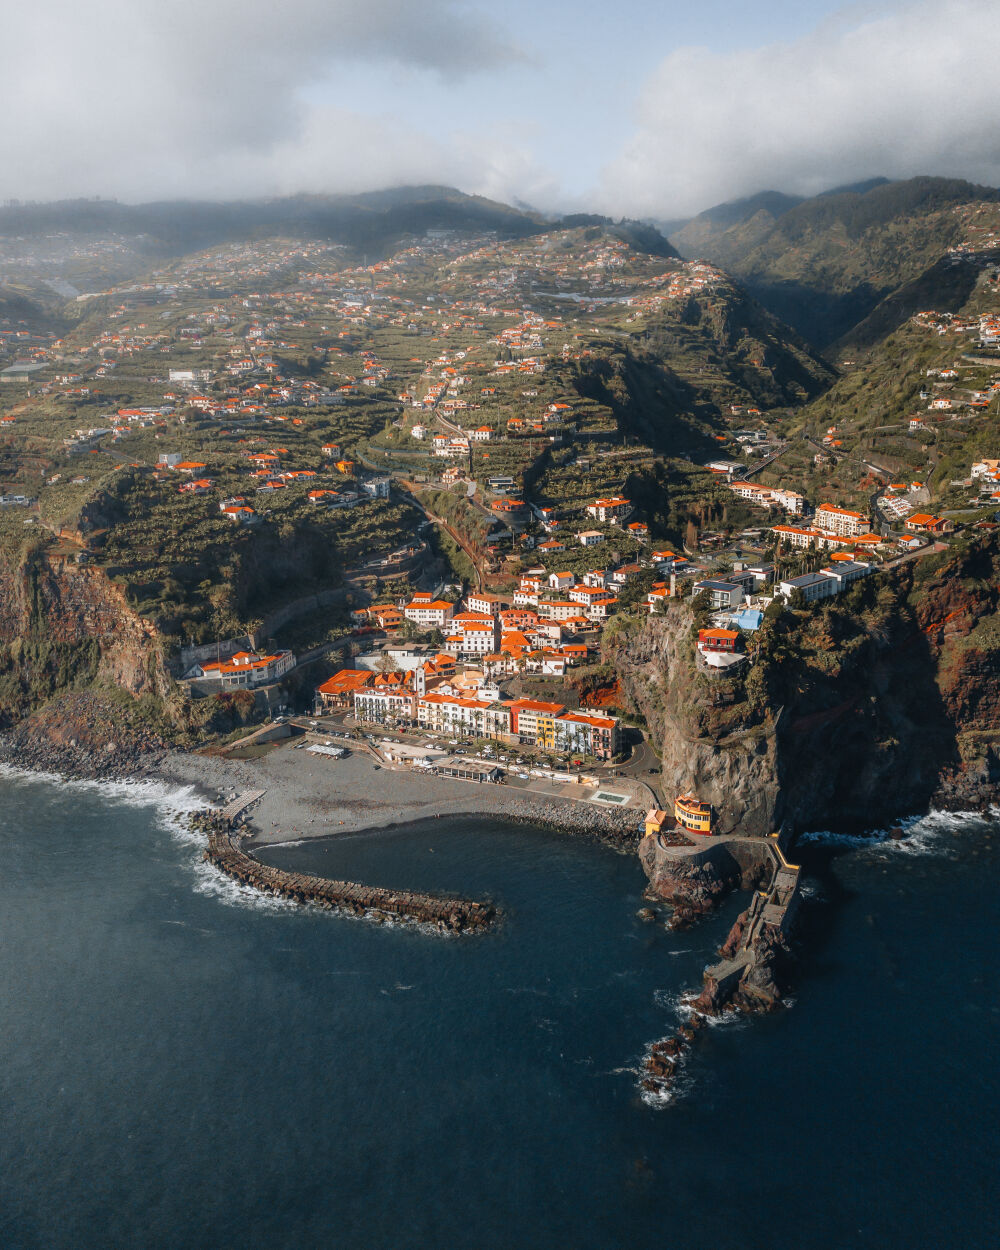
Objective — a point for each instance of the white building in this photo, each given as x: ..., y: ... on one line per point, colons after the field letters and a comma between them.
x: 483, y: 602
x: 558, y: 610
x: 189, y: 377
x: 610, y: 511
x: 796, y: 536
x: 246, y: 669
x: 429, y: 613
x: 376, y: 487
x: 481, y: 639
x: 840, y: 521
x: 846, y: 572
x: 722, y: 594
x: 814, y: 586
x: 444, y: 713
x: 377, y: 706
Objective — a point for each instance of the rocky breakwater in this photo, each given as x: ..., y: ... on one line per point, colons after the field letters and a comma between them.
x: 751, y: 972
x: 450, y: 915
x: 615, y: 827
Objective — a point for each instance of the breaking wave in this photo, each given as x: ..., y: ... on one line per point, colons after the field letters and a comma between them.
x: 922, y: 835
x: 171, y: 801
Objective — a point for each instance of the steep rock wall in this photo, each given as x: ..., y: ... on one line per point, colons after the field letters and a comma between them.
x: 63, y: 623
x: 730, y: 763
x: 851, y: 718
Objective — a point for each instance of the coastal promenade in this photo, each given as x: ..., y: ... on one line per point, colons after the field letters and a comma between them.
x: 453, y: 915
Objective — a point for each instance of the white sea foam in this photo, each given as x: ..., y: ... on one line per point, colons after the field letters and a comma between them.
x: 681, y: 1086
x: 925, y: 835
x: 212, y: 883
x: 680, y: 1083
x: 144, y: 792
x: 171, y: 802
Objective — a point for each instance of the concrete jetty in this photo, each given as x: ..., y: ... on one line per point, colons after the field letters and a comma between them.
x: 454, y: 915
x: 694, y: 874
x: 765, y: 924
x: 242, y: 803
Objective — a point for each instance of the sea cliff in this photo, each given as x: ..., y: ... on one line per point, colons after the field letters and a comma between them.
x: 851, y: 713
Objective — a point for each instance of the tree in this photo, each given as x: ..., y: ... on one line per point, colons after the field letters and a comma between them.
x: 756, y: 687
x: 636, y: 590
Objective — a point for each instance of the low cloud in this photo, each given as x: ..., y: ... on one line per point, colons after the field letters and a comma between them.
x: 911, y: 92
x: 160, y: 98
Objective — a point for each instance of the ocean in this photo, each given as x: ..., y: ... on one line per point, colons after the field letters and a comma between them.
x: 185, y: 1065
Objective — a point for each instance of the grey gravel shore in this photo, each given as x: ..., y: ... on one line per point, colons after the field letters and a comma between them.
x: 310, y: 797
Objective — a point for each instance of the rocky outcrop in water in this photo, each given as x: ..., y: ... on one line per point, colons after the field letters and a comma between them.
x: 751, y: 973
x: 693, y: 876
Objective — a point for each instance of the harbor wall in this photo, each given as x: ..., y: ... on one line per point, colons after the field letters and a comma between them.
x: 454, y: 915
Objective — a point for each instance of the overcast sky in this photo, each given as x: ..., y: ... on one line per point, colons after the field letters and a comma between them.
x: 639, y: 107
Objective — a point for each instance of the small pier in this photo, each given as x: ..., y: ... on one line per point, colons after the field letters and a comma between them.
x: 453, y: 915
x: 243, y: 802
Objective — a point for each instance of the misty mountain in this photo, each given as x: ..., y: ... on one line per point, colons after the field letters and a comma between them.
x: 693, y: 233
x: 369, y: 221
x: 824, y: 264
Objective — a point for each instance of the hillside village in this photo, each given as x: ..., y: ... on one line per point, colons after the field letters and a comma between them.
x: 423, y: 492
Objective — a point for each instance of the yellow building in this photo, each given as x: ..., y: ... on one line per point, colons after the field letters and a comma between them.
x: 692, y: 814
x: 546, y: 732
x: 655, y: 820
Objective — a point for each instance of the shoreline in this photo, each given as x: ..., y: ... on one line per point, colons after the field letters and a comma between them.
x: 306, y: 799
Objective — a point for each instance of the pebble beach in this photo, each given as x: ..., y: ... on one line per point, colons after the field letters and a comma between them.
x: 310, y: 797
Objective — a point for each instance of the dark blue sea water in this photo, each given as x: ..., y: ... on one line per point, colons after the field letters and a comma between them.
x: 183, y: 1067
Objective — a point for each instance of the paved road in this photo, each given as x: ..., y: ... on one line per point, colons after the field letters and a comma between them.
x: 915, y: 555
x: 639, y: 765
x: 752, y: 469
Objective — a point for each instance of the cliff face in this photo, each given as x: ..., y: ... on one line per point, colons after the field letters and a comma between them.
x: 64, y: 625
x: 852, y: 716
x: 729, y: 761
